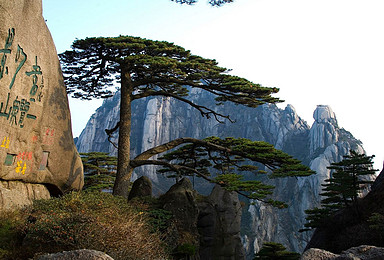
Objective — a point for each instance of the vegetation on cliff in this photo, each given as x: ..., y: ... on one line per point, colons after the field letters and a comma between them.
x: 349, y: 178
x: 275, y: 251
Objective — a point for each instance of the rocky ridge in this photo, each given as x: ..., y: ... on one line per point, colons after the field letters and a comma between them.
x: 158, y: 120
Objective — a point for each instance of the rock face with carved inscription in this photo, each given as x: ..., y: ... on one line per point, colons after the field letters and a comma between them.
x: 36, y: 143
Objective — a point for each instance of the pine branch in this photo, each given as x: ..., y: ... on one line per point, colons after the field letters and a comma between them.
x: 110, y: 132
x: 204, y: 111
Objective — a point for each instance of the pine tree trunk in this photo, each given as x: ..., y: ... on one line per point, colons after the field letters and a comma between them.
x: 124, y: 171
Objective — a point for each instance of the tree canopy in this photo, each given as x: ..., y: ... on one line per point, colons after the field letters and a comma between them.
x: 154, y: 68
x: 99, y: 170
x: 221, y: 160
x: 147, y: 68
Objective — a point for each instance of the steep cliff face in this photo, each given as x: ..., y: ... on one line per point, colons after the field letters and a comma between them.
x: 325, y: 143
x: 158, y: 120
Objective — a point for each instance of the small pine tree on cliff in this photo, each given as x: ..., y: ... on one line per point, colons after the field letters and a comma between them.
x: 147, y: 68
x: 275, y: 251
x: 348, y: 180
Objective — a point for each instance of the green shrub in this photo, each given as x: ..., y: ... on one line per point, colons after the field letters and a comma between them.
x: 159, y: 219
x: 185, y: 250
x: 275, y: 251
x: 94, y: 220
x: 9, y: 236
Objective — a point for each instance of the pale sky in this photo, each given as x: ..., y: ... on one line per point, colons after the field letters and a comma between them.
x: 318, y: 52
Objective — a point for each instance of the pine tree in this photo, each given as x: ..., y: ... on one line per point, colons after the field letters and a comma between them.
x: 349, y: 178
x: 147, y: 68
x: 275, y: 251
x: 100, y: 171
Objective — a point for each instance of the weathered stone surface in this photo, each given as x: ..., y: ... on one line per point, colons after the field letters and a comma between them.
x: 15, y: 194
x: 36, y: 143
x: 82, y: 254
x: 142, y: 187
x: 363, y: 252
x: 219, y: 226
x: 181, y: 201
x: 318, y: 254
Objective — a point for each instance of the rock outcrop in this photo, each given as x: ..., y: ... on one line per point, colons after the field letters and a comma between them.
x: 219, y: 226
x: 16, y: 194
x: 209, y: 224
x: 317, y: 254
x: 36, y: 143
x: 181, y: 201
x: 158, y: 120
x: 355, y: 253
x: 81, y: 254
x: 142, y: 187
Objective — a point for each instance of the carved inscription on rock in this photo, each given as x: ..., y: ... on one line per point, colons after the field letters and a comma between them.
x: 34, y: 110
x: 17, y: 109
x: 21, y: 105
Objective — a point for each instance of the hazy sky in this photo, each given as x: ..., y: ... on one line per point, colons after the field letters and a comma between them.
x: 328, y: 52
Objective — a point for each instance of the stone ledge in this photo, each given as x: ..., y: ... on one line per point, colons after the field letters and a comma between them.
x: 17, y: 194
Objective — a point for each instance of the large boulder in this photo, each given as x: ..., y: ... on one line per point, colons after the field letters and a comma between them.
x: 36, y: 143
x: 318, y: 254
x: 363, y: 252
x: 142, y: 187
x: 180, y: 199
x: 15, y: 194
x: 82, y: 254
x: 219, y: 226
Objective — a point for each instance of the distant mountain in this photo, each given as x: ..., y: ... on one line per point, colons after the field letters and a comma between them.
x: 158, y: 120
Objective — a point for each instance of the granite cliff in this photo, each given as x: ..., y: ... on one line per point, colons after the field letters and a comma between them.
x: 158, y: 120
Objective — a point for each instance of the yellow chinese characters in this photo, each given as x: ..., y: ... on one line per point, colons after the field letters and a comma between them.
x: 20, y: 168
x: 5, y: 143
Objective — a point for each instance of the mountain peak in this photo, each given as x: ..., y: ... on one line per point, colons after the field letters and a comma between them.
x: 324, y: 113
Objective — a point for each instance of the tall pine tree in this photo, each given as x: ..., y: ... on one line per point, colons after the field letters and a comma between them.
x: 147, y: 68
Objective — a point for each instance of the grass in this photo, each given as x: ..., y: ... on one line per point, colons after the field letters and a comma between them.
x: 80, y: 220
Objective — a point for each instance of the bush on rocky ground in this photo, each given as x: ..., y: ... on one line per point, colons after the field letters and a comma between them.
x: 93, y: 220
